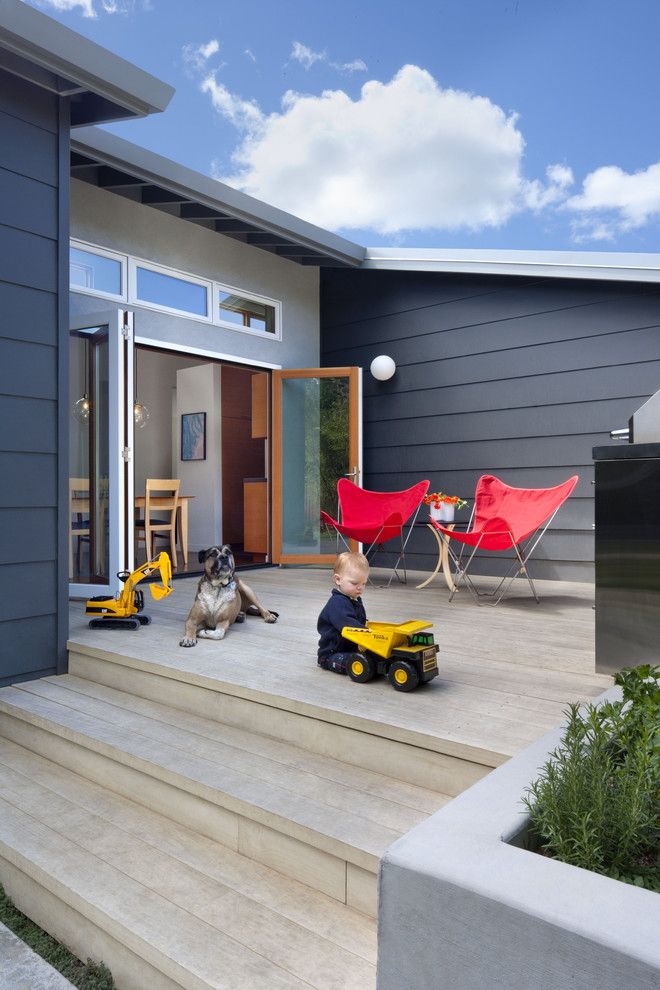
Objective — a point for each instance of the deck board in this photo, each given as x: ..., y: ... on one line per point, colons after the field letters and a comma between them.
x: 506, y: 673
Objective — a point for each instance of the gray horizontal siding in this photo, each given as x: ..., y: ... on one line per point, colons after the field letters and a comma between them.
x: 40, y: 109
x: 28, y: 150
x: 28, y: 369
x: 28, y: 259
x: 32, y: 473
x: 25, y: 647
x: 30, y: 314
x: 510, y: 376
x: 26, y: 590
x: 28, y: 535
x: 29, y: 425
x: 28, y: 204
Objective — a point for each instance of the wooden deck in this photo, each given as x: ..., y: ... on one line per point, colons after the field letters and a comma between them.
x: 506, y: 673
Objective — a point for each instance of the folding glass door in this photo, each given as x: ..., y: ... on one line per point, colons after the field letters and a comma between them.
x: 316, y: 441
x: 100, y: 507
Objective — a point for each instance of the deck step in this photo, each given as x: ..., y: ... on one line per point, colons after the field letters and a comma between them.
x: 315, y: 819
x: 163, y: 906
x: 367, y: 736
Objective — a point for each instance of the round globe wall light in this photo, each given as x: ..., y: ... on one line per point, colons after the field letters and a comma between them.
x: 382, y: 367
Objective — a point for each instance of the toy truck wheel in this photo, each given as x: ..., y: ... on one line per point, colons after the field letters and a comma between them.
x: 361, y: 668
x: 403, y: 676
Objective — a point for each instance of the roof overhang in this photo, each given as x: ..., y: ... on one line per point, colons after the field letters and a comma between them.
x: 548, y: 264
x: 105, y: 160
x: 101, y: 86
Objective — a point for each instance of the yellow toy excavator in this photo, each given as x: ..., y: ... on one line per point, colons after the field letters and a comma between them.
x: 125, y: 610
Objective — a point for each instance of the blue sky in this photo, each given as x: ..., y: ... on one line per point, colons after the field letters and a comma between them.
x: 525, y: 124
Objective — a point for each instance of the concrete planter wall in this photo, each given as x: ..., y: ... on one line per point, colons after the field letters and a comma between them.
x: 463, y: 909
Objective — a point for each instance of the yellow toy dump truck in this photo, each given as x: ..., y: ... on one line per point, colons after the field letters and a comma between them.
x: 125, y: 611
x: 402, y: 653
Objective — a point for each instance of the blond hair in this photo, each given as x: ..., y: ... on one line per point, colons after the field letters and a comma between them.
x: 346, y: 560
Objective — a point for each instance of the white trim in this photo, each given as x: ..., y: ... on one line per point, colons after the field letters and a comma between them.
x: 204, y: 352
x: 549, y: 264
x: 130, y: 264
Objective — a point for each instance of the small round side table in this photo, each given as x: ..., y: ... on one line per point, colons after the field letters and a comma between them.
x: 443, y: 558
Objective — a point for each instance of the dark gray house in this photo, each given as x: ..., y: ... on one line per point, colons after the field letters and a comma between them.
x: 51, y: 80
x: 512, y: 363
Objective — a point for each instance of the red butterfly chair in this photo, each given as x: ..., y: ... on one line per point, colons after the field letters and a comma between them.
x: 373, y: 518
x: 505, y: 518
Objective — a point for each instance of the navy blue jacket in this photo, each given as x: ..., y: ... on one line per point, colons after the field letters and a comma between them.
x: 339, y: 611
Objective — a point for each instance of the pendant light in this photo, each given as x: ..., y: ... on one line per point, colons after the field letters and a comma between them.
x: 82, y: 407
x: 140, y: 411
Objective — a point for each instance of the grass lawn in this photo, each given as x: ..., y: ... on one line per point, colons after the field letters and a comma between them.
x: 85, y: 976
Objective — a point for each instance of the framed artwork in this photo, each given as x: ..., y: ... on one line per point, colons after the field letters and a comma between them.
x: 193, y: 436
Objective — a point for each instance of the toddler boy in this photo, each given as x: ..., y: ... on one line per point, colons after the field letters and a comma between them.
x: 344, y: 608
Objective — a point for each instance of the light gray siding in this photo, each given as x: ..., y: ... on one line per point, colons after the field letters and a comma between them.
x: 112, y: 221
x: 510, y: 376
x: 34, y: 354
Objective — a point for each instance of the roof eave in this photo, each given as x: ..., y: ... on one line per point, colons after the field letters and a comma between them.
x: 153, y: 168
x: 67, y: 63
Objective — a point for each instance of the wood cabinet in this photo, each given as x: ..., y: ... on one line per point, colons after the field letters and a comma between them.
x: 255, y: 515
x: 259, y: 405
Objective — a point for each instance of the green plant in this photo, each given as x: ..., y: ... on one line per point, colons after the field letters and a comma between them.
x: 85, y: 976
x: 596, y: 803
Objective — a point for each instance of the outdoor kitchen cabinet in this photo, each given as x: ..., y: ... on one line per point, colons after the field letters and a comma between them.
x: 627, y: 555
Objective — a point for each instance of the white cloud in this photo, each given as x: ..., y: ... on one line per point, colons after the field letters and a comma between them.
x: 301, y: 53
x: 244, y: 114
x: 250, y: 54
x: 539, y: 196
x: 197, y: 56
x: 86, y: 6
x: 614, y: 202
x: 405, y: 155
x: 308, y: 57
x: 357, y: 65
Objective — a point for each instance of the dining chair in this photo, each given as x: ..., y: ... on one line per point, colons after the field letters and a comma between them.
x: 161, y: 503
x: 78, y: 520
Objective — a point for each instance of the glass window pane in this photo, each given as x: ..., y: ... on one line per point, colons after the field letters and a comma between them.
x: 89, y: 457
x: 243, y: 312
x: 92, y: 271
x: 315, y: 445
x: 175, y: 293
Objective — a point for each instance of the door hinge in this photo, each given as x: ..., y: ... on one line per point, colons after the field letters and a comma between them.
x: 126, y: 454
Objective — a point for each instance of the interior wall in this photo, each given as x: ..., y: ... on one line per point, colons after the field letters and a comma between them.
x: 155, y: 451
x: 242, y: 456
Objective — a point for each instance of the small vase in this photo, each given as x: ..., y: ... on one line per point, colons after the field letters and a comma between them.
x: 443, y: 514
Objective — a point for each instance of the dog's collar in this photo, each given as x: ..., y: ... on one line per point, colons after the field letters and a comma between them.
x: 229, y: 583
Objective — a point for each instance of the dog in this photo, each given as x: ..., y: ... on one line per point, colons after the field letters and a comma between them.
x: 221, y: 598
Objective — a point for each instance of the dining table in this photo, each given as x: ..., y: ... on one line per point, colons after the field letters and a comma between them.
x: 182, y: 517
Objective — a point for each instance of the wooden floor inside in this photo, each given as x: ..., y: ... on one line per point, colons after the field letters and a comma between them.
x: 507, y: 673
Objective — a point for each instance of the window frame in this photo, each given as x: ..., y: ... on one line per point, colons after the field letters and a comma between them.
x: 106, y: 253
x: 219, y: 287
x: 213, y: 287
